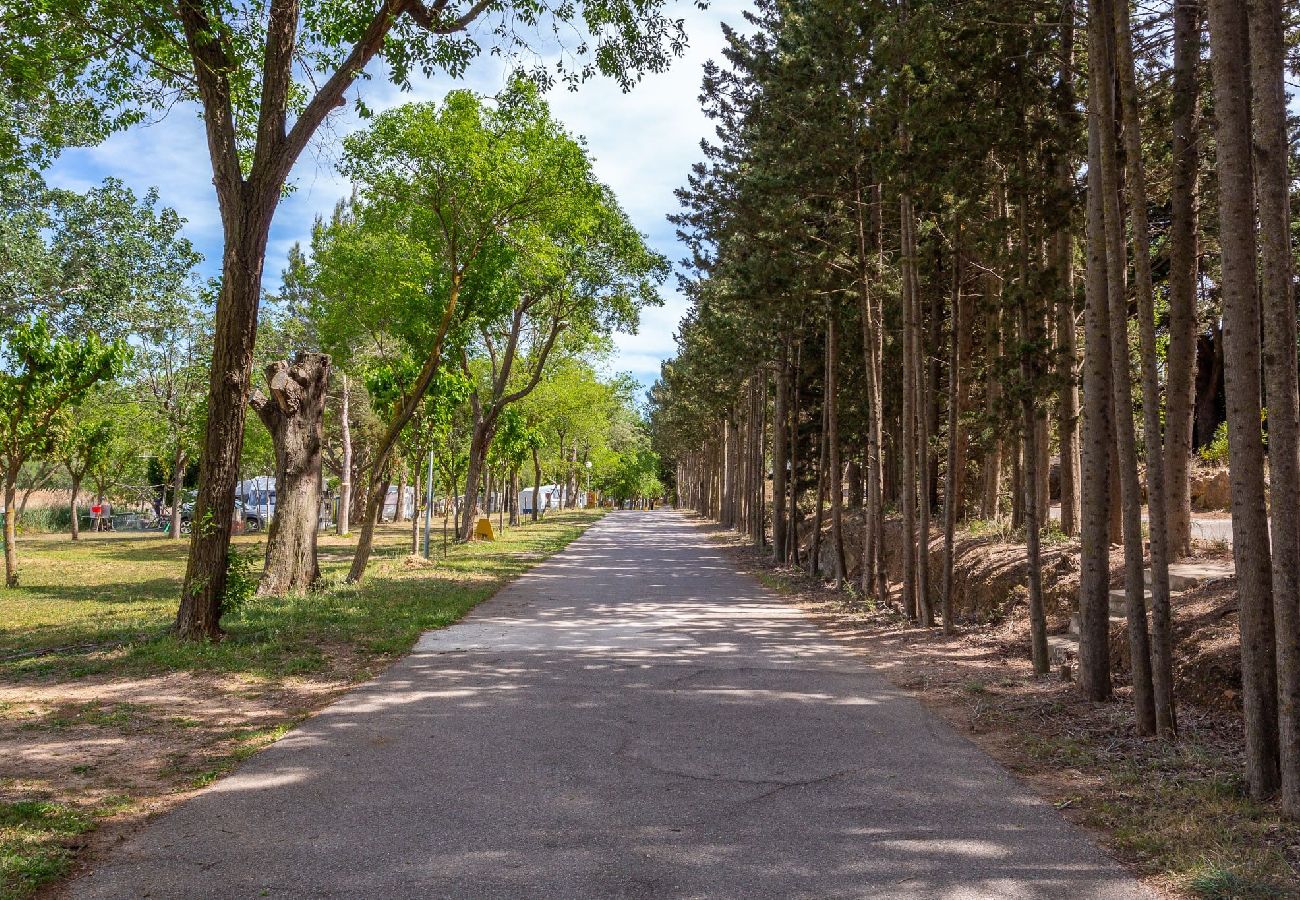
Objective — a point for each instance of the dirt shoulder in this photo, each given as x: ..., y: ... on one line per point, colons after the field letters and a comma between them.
x: 1177, y: 814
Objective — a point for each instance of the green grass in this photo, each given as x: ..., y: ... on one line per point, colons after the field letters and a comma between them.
x: 33, y: 838
x: 104, y: 604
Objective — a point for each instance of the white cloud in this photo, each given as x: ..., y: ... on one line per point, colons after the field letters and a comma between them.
x: 643, y: 144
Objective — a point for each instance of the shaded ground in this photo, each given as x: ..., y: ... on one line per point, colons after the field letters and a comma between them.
x: 634, y: 718
x: 1176, y: 813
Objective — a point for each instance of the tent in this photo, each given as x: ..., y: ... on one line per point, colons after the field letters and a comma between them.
x: 551, y: 496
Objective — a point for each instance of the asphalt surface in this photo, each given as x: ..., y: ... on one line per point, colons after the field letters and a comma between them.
x: 633, y: 718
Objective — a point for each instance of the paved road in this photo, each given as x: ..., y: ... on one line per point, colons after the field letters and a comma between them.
x: 631, y: 719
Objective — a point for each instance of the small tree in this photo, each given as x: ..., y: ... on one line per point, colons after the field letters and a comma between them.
x: 85, y: 445
x: 42, y: 374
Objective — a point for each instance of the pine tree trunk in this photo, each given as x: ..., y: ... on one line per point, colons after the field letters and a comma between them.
x: 1180, y: 388
x: 951, y: 499
x: 1230, y: 53
x: 293, y: 415
x: 1031, y: 435
x: 990, y: 505
x: 1121, y: 379
x: 1272, y: 155
x: 836, y: 470
x: 780, y: 458
x: 1097, y: 433
x: 815, y: 551
x: 909, y: 448
x: 1067, y: 419
x: 1162, y: 662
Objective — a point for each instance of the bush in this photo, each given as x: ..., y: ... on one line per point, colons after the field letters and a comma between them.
x: 45, y: 519
x: 1215, y: 453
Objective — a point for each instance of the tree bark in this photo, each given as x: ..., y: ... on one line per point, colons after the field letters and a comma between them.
x: 1272, y: 155
x: 909, y: 449
x: 344, y: 524
x: 780, y: 456
x: 179, y: 461
x: 1098, y: 440
x: 1162, y: 661
x: 1230, y: 53
x: 293, y: 414
x: 247, y: 224
x: 1121, y: 379
x: 1067, y: 419
x: 951, y: 499
x: 1180, y: 379
x: 11, y: 527
x: 836, y: 469
x: 72, y: 506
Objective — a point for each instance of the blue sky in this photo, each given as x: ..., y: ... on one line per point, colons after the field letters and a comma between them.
x: 643, y: 144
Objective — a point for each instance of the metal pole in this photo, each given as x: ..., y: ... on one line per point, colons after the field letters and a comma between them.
x: 428, y: 506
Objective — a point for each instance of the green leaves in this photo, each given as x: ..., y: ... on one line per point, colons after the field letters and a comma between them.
x: 42, y: 374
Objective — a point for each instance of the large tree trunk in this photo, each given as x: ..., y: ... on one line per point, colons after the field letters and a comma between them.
x: 537, y: 484
x: 247, y: 223
x: 1097, y: 438
x: 344, y: 525
x: 1272, y: 155
x: 293, y: 414
x: 1230, y: 52
x: 1067, y: 419
x: 1180, y: 385
x: 951, y: 497
x: 1029, y: 326
x: 1162, y: 661
x: 513, y: 499
x: 1102, y: 17
x: 908, y: 449
x: 836, y: 467
x: 780, y: 456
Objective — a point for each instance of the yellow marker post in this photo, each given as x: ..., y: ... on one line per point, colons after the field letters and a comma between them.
x: 483, y: 529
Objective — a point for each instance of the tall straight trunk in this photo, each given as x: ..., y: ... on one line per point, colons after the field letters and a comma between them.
x: 1028, y: 322
x: 951, y: 500
x: 480, y: 440
x: 1067, y: 419
x: 909, y: 448
x: 179, y: 461
x: 345, y: 479
x: 1162, y: 650
x: 1097, y: 434
x: 836, y: 469
x: 780, y: 455
x: 795, y: 413
x: 1180, y: 385
x: 872, y: 576
x: 815, y: 551
x: 247, y: 222
x: 1102, y: 17
x: 1230, y: 53
x: 760, y: 454
x: 992, y: 488
x: 72, y: 505
x: 1272, y: 154
x: 925, y: 390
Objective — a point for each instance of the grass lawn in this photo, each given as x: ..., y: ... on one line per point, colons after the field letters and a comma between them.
x: 108, y: 717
